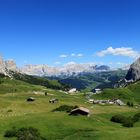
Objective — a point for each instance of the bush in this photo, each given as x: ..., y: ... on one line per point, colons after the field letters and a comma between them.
x: 66, y: 108
x: 130, y: 104
x: 118, y: 119
x: 136, y: 117
x: 29, y: 133
x: 10, y: 110
x: 11, y: 133
x: 128, y: 122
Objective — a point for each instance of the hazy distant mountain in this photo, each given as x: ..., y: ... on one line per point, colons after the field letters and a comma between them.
x: 80, y: 76
x: 69, y: 69
x: 103, y: 68
x: 66, y: 70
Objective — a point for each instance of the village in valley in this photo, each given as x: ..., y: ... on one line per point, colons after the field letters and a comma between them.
x: 81, y: 110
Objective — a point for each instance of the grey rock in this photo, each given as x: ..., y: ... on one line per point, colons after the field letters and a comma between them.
x: 134, y: 72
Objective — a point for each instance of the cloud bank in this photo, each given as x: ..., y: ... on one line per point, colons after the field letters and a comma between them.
x: 128, y: 52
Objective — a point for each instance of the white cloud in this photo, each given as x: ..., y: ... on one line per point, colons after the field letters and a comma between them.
x: 70, y: 63
x: 128, y: 52
x: 25, y: 61
x: 79, y: 55
x: 110, y: 63
x: 57, y: 63
x: 73, y: 54
x: 120, y: 63
x: 63, y: 56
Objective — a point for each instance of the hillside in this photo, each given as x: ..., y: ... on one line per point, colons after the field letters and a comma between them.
x: 36, y: 80
x: 15, y: 111
x: 8, y: 85
x: 129, y: 93
x: 89, y: 81
x: 22, y: 83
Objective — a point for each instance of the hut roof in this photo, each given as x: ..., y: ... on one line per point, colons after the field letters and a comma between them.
x: 82, y: 109
x: 31, y: 98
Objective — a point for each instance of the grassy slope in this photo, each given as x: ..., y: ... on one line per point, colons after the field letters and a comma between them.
x: 129, y: 93
x: 88, y: 81
x: 12, y: 86
x: 59, y: 125
x: 54, y: 84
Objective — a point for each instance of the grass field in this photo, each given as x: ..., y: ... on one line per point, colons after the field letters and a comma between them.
x: 59, y: 125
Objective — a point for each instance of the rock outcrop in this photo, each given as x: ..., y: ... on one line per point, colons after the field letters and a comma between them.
x: 7, y: 66
x: 2, y: 66
x: 134, y: 72
x: 11, y: 65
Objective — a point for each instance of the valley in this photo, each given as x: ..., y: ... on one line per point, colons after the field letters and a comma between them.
x: 15, y: 111
x: 59, y: 125
x: 28, y: 101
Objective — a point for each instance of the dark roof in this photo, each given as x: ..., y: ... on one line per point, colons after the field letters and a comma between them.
x: 82, y: 109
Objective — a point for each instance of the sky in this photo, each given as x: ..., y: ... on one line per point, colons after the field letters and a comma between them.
x: 57, y: 32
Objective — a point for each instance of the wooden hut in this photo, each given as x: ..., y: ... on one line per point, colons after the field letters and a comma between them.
x: 80, y: 111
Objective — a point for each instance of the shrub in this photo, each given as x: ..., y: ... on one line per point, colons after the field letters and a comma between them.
x: 11, y: 133
x: 125, y: 121
x: 118, y: 118
x: 66, y: 108
x: 128, y: 122
x: 10, y: 110
x: 130, y: 104
x: 29, y: 133
x: 136, y: 117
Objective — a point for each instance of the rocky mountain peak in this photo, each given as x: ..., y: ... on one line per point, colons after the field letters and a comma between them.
x: 10, y: 65
x: 6, y: 66
x: 68, y: 69
x: 134, y: 71
x: 1, y: 61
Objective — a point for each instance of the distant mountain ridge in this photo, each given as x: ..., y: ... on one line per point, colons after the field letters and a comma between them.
x: 9, y: 71
x: 80, y: 76
x: 66, y: 70
x: 45, y: 70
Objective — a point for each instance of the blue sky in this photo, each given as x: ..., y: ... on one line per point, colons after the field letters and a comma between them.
x: 56, y: 32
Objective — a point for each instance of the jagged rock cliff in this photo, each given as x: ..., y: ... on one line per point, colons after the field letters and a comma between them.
x: 134, y: 72
x: 7, y: 66
x: 68, y: 69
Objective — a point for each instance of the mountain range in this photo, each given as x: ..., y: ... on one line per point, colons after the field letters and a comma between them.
x: 80, y: 76
x: 45, y: 70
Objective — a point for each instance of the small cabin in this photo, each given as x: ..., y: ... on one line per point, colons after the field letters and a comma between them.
x: 73, y: 90
x: 30, y: 99
x: 80, y: 111
x: 53, y: 101
x: 97, y: 90
x: 91, y: 101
